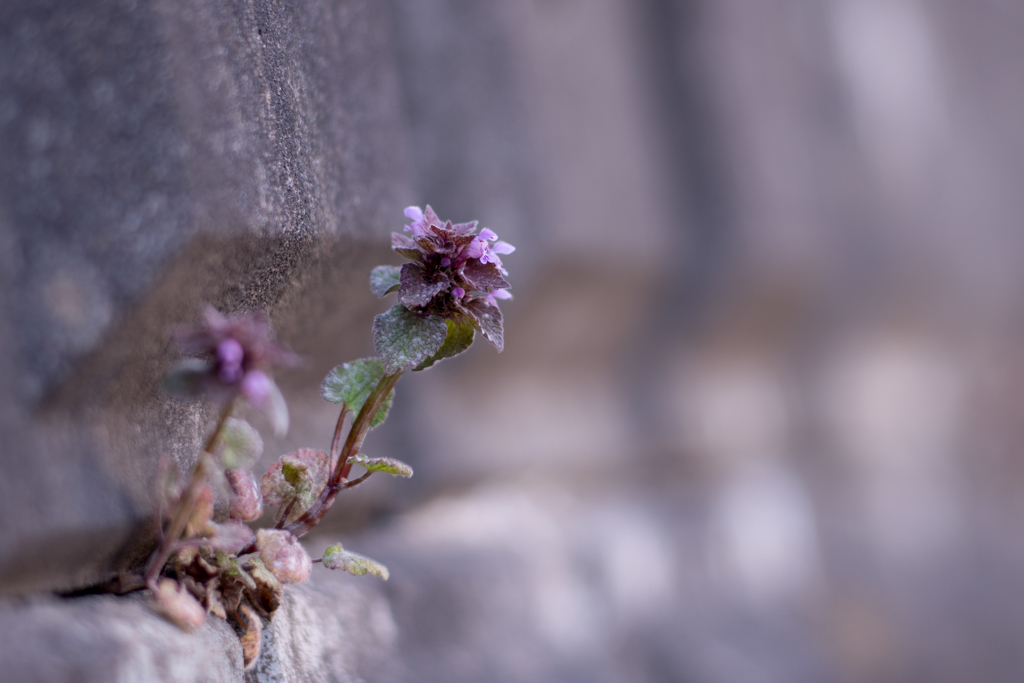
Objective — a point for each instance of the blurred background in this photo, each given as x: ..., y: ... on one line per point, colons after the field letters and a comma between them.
x: 759, y: 416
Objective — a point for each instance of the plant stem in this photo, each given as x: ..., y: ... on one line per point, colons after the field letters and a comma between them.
x: 336, y: 441
x: 360, y: 427
x: 168, y: 541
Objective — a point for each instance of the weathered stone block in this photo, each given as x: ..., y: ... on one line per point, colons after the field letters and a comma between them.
x: 158, y: 155
x: 105, y: 639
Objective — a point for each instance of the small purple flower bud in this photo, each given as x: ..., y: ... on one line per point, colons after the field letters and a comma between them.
x: 256, y: 387
x: 283, y: 555
x: 445, y: 262
x: 488, y: 234
x: 230, y: 352
x: 458, y: 292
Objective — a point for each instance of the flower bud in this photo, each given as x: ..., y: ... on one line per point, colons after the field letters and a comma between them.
x: 256, y: 387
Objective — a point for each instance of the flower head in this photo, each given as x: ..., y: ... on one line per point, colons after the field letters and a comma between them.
x: 234, y: 357
x: 455, y: 271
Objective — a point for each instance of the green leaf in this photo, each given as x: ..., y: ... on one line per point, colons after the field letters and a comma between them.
x: 239, y: 444
x: 488, y: 320
x: 187, y: 377
x: 300, y: 477
x: 385, y: 279
x: 417, y: 289
x: 352, y: 383
x: 405, y: 339
x: 460, y: 337
x: 385, y: 465
x: 336, y: 557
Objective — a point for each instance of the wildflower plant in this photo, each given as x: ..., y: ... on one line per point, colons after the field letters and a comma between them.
x: 217, y: 564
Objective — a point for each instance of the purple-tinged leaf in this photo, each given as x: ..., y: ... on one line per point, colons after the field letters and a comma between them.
x: 488, y: 321
x: 175, y: 602
x: 405, y: 246
x: 483, y: 276
x: 283, y: 555
x: 430, y: 218
x: 246, y: 500
x: 230, y: 537
x: 417, y: 289
x: 464, y: 228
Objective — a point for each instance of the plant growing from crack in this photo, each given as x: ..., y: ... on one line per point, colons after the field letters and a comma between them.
x: 447, y: 292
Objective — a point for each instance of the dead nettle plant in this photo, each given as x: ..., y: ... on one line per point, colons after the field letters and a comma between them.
x: 207, y: 564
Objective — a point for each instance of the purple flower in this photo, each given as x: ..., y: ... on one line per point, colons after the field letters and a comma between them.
x: 418, y: 226
x: 239, y: 351
x: 482, y: 249
x: 456, y: 272
x: 256, y: 387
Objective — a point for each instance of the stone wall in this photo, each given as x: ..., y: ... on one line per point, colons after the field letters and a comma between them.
x: 157, y: 156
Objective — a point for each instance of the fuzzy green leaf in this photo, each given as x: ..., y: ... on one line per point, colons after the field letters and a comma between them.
x: 296, y: 479
x: 352, y: 383
x: 385, y: 465
x: 459, y: 338
x: 405, y: 339
x: 239, y: 444
x: 487, y: 319
x: 385, y: 279
x: 336, y: 557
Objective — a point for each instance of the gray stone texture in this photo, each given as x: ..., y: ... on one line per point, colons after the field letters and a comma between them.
x: 104, y: 639
x: 158, y: 155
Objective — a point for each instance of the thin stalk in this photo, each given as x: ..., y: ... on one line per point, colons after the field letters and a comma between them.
x: 360, y: 427
x: 336, y: 441
x: 188, y: 502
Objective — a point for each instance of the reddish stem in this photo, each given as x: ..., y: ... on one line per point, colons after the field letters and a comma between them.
x: 360, y: 427
x: 167, y: 542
